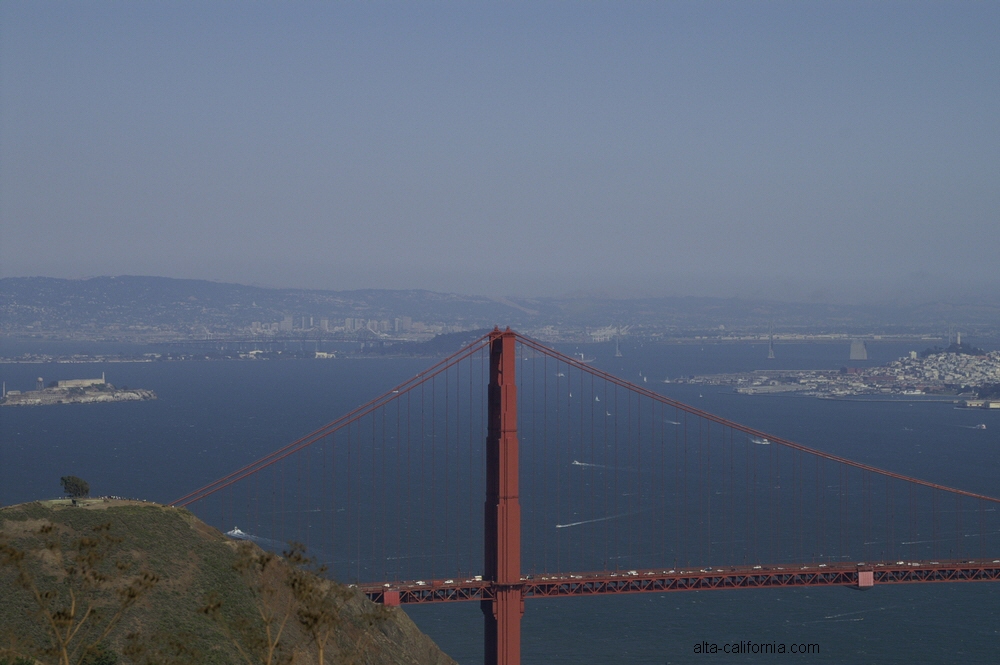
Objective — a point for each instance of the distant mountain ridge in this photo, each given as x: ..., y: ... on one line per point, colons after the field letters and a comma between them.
x: 120, y: 307
x: 188, y: 300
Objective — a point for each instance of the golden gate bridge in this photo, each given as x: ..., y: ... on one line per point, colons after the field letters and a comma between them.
x: 510, y: 471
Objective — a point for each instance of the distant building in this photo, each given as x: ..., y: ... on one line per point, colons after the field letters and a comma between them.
x: 982, y: 404
x: 858, y: 350
x: 81, y: 383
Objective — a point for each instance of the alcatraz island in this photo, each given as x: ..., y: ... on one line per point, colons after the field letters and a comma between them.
x: 73, y: 391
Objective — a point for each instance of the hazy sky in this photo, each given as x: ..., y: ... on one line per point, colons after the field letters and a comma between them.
x: 808, y: 150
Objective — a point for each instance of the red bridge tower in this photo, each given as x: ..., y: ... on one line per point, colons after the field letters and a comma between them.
x: 503, y: 511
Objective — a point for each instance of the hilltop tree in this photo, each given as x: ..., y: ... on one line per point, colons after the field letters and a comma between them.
x: 75, y: 487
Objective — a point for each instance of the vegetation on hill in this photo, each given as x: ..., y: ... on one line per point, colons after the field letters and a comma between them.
x: 954, y: 347
x: 75, y: 487
x: 108, y: 582
x: 990, y: 391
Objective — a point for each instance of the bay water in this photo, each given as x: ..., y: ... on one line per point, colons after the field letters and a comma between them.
x: 215, y: 416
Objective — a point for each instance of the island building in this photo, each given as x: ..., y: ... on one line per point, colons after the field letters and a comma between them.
x: 982, y: 403
x: 82, y: 383
x: 859, y: 351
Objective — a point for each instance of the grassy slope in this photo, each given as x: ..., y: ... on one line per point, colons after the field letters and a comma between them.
x: 192, y: 560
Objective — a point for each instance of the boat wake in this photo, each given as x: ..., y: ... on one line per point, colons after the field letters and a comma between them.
x: 238, y: 534
x: 579, y: 463
x: 599, y: 519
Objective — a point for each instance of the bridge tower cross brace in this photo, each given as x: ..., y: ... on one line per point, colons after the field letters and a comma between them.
x: 502, y: 566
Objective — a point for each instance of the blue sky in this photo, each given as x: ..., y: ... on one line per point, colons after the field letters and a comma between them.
x: 806, y: 150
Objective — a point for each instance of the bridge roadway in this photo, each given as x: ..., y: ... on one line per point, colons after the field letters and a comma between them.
x: 857, y: 575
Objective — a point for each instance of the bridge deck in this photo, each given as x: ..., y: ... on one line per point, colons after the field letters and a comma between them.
x: 661, y: 581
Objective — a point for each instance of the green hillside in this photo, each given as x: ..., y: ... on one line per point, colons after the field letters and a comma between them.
x: 190, y: 594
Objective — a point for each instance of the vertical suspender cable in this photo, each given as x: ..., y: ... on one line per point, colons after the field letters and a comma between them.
x: 629, y: 478
x: 604, y: 460
x: 558, y: 463
x: 471, y: 446
x: 958, y: 527
x: 447, y: 551
x: 306, y: 490
x: 357, y: 509
x: 545, y: 451
x: 634, y: 519
x: 615, y: 550
x: 422, y: 526
x: 593, y: 457
x: 535, y: 499
x: 434, y: 511
x: 373, y: 520
x: 385, y: 499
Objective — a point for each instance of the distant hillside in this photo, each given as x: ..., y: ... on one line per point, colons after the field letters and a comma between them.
x: 163, y: 309
x: 196, y: 566
x: 135, y: 303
